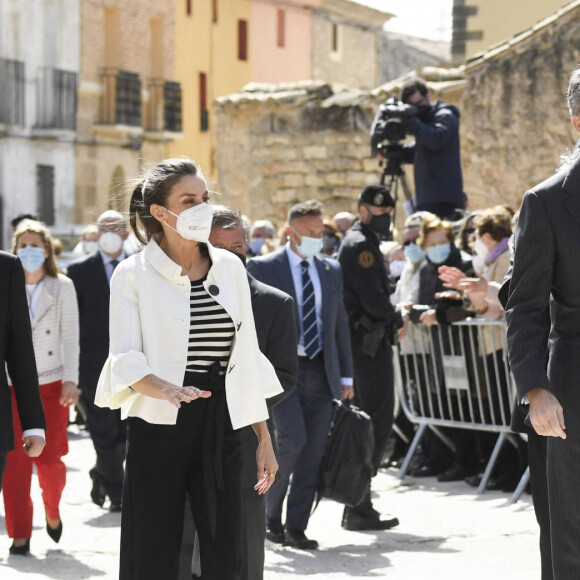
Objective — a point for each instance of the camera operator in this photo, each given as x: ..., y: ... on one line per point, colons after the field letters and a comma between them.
x: 435, y: 152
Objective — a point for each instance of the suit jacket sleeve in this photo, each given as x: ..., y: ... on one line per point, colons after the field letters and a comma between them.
x: 343, y: 339
x: 20, y: 354
x: 527, y: 308
x: 281, y: 351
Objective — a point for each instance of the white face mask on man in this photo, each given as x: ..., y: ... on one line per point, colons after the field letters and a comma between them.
x: 110, y: 242
x: 193, y: 223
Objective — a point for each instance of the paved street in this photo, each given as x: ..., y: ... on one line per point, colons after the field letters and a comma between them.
x: 447, y: 532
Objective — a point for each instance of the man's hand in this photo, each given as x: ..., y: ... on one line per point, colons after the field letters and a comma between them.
x: 546, y: 413
x: 429, y: 318
x: 402, y: 332
x: 347, y: 392
x: 33, y: 445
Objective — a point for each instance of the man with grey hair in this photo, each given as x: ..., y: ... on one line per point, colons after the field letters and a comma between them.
x: 91, y: 276
x: 542, y: 301
x: 262, y: 235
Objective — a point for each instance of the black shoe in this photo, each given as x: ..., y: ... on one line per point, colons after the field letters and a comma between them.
x: 115, y: 506
x: 275, y: 531
x: 454, y: 473
x: 371, y: 520
x: 98, y: 494
x: 474, y: 480
x: 423, y: 471
x: 54, y: 533
x: 297, y: 539
x: 20, y: 550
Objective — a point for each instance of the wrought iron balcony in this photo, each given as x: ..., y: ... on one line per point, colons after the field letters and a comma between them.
x: 164, y: 107
x: 12, y: 91
x: 56, y: 99
x: 121, y: 98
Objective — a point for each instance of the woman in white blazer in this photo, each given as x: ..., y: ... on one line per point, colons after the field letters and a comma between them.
x: 52, y: 304
x: 185, y: 368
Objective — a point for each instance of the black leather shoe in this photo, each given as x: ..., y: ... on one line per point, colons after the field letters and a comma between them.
x: 454, y: 473
x: 54, y: 533
x: 423, y: 471
x: 20, y: 550
x: 276, y: 536
x: 98, y: 494
x: 371, y: 520
x: 298, y: 539
x: 115, y: 506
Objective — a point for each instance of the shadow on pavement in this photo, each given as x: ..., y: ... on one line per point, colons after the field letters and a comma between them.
x: 56, y: 564
x: 106, y: 520
x: 357, y: 560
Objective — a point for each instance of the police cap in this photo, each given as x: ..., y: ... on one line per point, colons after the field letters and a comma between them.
x: 377, y: 195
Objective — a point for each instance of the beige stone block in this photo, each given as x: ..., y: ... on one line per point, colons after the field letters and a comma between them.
x: 285, y: 196
x: 275, y: 167
x: 277, y: 140
x: 292, y: 180
x: 291, y: 154
x: 260, y: 152
x: 355, y: 178
x: 272, y: 183
x: 372, y: 178
x: 298, y: 167
x: 336, y: 178
x: 315, y: 180
x: 306, y: 193
x: 314, y: 152
x: 335, y: 138
x: 370, y: 165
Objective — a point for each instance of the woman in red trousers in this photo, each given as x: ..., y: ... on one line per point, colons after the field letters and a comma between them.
x: 53, y: 309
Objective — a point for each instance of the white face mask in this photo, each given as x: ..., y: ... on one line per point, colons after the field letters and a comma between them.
x: 90, y: 246
x: 478, y: 263
x: 110, y: 242
x: 396, y: 268
x: 480, y: 249
x: 194, y: 223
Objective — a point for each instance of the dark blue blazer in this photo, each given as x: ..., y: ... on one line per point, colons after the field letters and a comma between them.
x: 274, y: 269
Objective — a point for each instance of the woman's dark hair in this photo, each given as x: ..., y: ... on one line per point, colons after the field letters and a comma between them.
x: 495, y: 221
x: 154, y: 188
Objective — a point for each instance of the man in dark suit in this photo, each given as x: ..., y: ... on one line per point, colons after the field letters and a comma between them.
x: 17, y: 353
x: 276, y: 329
x: 324, y: 370
x: 543, y: 292
x: 91, y: 277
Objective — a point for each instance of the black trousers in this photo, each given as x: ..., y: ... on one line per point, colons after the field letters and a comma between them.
x: 164, y: 462
x: 374, y: 390
x: 2, y: 466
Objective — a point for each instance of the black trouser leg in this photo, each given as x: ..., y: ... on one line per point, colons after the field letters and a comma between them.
x: 2, y: 467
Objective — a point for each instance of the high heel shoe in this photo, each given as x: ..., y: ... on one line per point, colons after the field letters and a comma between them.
x: 54, y: 533
x: 20, y: 550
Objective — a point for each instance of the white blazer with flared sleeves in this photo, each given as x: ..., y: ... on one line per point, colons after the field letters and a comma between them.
x: 149, y: 334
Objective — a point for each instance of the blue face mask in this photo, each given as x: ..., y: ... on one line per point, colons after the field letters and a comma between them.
x: 414, y: 253
x: 256, y: 245
x: 32, y: 258
x: 438, y: 254
x: 309, y: 247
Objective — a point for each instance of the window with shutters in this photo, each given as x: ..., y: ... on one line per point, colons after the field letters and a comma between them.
x: 45, y: 193
x: 204, y: 114
x: 281, y: 29
x: 242, y: 40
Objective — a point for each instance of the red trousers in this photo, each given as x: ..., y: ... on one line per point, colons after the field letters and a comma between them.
x: 49, y: 466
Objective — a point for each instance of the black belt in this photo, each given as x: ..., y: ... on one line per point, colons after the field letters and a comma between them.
x: 213, y: 436
x: 306, y: 359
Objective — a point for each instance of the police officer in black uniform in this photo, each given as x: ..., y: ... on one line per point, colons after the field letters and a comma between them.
x: 373, y: 322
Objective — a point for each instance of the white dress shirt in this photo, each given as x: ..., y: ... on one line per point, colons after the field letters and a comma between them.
x: 296, y: 268
x: 107, y: 262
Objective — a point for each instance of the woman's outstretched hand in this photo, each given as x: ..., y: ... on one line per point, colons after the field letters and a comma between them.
x: 157, y: 388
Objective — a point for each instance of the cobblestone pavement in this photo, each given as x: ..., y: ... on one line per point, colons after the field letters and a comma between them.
x: 447, y: 532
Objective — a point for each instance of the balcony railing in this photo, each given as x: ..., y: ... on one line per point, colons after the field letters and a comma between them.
x: 12, y: 92
x: 164, y: 107
x: 56, y: 99
x: 121, y: 98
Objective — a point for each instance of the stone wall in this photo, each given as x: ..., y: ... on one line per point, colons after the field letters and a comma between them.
x: 515, y: 122
x: 278, y: 145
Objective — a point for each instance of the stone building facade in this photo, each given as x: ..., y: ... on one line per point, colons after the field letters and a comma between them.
x: 281, y: 144
x: 515, y: 123
x: 39, y: 66
x: 129, y: 107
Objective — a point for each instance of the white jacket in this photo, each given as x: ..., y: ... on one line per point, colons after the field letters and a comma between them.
x: 149, y: 334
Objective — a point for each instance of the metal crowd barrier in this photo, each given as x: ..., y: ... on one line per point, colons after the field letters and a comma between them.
x: 456, y: 376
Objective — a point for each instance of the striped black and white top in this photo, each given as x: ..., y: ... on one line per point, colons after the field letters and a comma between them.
x: 211, y: 331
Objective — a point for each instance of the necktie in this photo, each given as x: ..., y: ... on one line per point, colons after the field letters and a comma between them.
x: 309, y: 326
x: 114, y: 264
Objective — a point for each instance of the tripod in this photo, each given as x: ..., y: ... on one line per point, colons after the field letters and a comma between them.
x: 393, y: 153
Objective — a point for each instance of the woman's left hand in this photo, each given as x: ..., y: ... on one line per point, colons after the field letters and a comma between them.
x: 70, y: 394
x: 267, y: 466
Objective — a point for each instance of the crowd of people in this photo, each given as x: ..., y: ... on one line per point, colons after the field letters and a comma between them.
x: 177, y: 348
